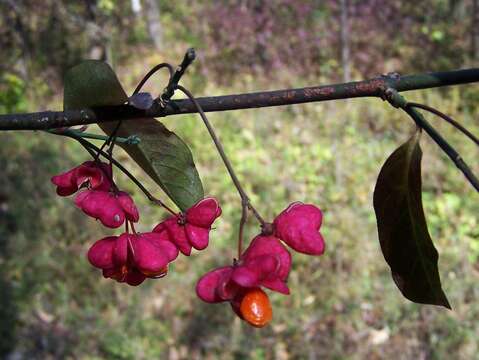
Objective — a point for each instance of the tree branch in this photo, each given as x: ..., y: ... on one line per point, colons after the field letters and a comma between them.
x: 367, y: 88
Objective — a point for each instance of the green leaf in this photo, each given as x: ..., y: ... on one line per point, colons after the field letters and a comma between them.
x: 92, y: 83
x: 160, y: 153
x: 403, y: 234
x: 163, y: 156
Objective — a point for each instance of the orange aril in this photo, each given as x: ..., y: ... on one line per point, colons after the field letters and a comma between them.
x: 255, y: 308
x: 156, y: 274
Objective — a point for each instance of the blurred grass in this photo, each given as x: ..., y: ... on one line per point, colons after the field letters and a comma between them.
x: 343, y: 305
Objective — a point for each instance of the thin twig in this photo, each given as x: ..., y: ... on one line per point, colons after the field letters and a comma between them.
x: 245, y: 201
x: 226, y: 161
x: 150, y: 74
x: 111, y: 137
x: 398, y: 101
x: 136, y: 91
x: 128, y: 140
x: 444, y: 145
x: 244, y: 218
x: 447, y: 118
x: 96, y: 150
x: 169, y: 90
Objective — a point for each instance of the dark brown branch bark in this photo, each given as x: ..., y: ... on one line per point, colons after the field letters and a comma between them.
x: 367, y: 88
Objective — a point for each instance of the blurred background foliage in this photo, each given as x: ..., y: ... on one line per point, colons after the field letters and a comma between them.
x: 344, y: 305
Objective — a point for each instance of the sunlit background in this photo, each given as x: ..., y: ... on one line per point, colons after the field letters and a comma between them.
x: 343, y: 305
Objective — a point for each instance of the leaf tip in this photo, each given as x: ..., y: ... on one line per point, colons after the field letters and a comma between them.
x: 443, y: 301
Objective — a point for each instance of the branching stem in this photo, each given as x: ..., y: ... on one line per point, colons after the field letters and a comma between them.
x: 94, y: 150
x: 444, y: 145
x: 398, y: 101
x: 447, y: 118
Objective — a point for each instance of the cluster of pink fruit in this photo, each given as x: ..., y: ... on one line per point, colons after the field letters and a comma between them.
x: 265, y: 263
x: 132, y: 257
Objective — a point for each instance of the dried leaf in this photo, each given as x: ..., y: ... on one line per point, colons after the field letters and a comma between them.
x: 403, y: 234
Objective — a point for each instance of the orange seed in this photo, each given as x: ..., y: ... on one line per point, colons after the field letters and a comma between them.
x: 255, y: 308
